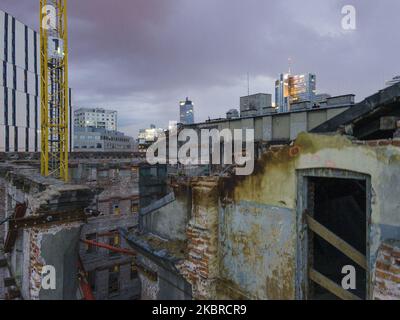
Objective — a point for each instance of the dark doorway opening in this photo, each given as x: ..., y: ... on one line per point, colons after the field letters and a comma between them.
x: 340, y: 205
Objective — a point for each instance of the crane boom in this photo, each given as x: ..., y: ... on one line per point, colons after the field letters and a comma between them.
x: 54, y: 88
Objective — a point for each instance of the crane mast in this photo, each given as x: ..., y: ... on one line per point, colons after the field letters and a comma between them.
x: 54, y: 88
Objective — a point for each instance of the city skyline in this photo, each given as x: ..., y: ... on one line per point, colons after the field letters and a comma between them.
x: 150, y: 53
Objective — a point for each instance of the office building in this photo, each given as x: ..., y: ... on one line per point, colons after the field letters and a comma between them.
x: 186, y: 112
x: 291, y: 89
x: 255, y: 104
x: 95, y: 118
x: 101, y: 140
x: 19, y: 86
x: 147, y: 137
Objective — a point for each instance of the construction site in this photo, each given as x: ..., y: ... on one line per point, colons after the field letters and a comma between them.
x: 323, y: 195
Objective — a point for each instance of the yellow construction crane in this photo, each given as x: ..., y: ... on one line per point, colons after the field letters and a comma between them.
x: 54, y: 88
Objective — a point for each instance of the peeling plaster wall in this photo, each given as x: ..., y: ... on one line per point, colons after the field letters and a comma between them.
x: 258, y: 224
x: 257, y: 249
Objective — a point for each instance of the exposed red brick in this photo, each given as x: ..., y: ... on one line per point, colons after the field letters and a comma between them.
x: 396, y: 254
x: 387, y: 273
x: 382, y: 266
x: 386, y: 248
x: 384, y: 142
x: 396, y: 143
x: 394, y: 269
x: 372, y: 143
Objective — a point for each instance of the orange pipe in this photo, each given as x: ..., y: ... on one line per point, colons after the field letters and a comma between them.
x: 86, y: 290
x: 108, y: 247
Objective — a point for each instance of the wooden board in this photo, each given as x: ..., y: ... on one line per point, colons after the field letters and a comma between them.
x: 331, y: 286
x: 337, y: 242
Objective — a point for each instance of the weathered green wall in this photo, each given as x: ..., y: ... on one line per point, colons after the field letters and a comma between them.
x: 257, y: 251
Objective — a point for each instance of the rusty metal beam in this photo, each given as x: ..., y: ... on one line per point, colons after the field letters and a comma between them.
x: 11, y: 237
x: 47, y: 218
x: 108, y: 247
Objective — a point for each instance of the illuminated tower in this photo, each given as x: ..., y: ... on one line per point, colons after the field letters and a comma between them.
x: 186, y: 112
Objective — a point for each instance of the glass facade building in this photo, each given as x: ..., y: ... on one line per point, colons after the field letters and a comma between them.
x: 290, y: 89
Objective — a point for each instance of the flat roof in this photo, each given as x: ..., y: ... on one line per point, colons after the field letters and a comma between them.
x: 270, y: 114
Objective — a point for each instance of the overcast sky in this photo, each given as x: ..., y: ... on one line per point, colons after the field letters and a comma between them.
x: 141, y: 57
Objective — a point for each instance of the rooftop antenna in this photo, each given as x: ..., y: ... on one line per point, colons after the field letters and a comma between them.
x: 290, y: 65
x: 248, y: 84
x: 248, y: 90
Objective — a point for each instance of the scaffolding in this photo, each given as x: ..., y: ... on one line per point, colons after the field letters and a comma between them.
x: 54, y: 88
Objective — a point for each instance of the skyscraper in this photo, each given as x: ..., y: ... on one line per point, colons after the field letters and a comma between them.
x: 186, y: 112
x: 293, y: 89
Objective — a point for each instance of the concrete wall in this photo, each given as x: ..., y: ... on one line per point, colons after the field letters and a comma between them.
x: 277, y: 127
x: 171, y: 226
x: 60, y: 249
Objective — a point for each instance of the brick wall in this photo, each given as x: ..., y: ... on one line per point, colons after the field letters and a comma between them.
x: 387, y: 271
x: 201, y: 268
